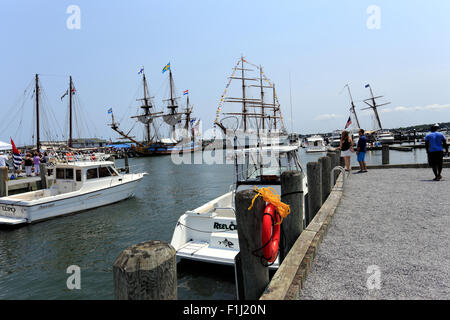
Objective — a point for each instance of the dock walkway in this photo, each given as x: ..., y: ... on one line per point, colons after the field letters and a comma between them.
x: 395, y: 219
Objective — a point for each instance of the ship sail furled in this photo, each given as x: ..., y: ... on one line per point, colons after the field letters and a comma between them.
x: 145, y: 119
x: 172, y: 119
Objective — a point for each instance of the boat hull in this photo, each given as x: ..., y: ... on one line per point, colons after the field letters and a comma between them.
x: 166, y: 149
x: 12, y: 213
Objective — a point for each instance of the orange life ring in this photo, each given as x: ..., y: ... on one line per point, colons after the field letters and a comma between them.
x: 270, y: 233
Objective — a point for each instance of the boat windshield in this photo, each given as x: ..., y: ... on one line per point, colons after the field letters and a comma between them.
x: 266, y: 169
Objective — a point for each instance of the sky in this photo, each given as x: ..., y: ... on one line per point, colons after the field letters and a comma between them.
x: 309, y: 48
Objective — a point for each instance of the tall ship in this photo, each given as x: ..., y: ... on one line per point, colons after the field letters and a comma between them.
x: 183, y: 130
x: 257, y: 119
x: 381, y: 136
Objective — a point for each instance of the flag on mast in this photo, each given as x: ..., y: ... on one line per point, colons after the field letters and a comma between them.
x: 167, y: 67
x: 65, y: 94
x: 349, y: 122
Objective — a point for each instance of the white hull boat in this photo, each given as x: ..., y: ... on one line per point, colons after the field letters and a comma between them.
x: 385, y: 137
x: 209, y: 233
x: 76, y: 187
x: 315, y: 144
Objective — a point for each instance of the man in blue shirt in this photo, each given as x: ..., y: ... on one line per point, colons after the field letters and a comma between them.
x: 435, y: 143
x: 361, y: 151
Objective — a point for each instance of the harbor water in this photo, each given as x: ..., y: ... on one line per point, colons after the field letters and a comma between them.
x: 34, y: 259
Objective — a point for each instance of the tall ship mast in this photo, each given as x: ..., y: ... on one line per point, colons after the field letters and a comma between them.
x: 352, y: 107
x: 382, y: 136
x: 259, y: 121
x: 154, y: 143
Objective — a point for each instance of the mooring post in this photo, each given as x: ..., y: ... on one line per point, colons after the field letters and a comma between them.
x: 314, y: 172
x: 127, y: 166
x: 146, y: 271
x: 334, y: 162
x: 43, y: 175
x: 255, y: 275
x: 3, y: 181
x: 291, y: 194
x: 340, y: 161
x: 385, y: 154
x: 325, y: 163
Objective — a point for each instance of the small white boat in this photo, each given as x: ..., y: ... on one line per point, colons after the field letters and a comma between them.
x: 315, y: 144
x: 384, y: 137
x: 76, y: 186
x: 209, y: 233
x: 335, y: 139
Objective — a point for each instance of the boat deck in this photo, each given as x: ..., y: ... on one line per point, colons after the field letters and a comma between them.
x: 197, y: 250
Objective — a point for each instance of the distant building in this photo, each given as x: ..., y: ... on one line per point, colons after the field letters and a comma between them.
x: 89, y: 143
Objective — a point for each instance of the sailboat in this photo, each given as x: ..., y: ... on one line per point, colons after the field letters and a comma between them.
x: 180, y: 140
x: 382, y: 136
x: 259, y: 121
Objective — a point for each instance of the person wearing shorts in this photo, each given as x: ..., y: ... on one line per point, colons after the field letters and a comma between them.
x: 346, y: 147
x: 361, y: 150
x: 435, y: 143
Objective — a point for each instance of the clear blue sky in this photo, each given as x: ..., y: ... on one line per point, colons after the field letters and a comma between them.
x: 322, y: 44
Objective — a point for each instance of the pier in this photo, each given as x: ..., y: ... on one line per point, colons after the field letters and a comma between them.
x: 373, y: 228
x: 399, y: 229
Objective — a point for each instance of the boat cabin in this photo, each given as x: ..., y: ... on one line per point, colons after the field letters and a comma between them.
x: 264, y: 166
x: 69, y: 177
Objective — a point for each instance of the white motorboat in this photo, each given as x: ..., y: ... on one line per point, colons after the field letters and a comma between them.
x: 315, y: 144
x: 335, y: 139
x: 209, y: 233
x: 76, y: 186
x: 384, y: 137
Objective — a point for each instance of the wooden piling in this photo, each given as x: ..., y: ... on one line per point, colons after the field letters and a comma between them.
x: 146, y: 271
x: 127, y: 166
x: 325, y: 163
x: 43, y: 175
x: 3, y: 181
x: 255, y: 275
x: 385, y: 154
x: 314, y: 173
x: 334, y: 161
x: 291, y: 194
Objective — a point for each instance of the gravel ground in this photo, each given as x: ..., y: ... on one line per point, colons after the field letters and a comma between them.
x: 397, y: 220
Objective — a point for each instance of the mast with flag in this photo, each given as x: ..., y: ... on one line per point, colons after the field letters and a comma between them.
x: 352, y: 108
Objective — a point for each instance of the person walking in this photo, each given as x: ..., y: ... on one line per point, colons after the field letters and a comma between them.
x: 37, y: 162
x: 28, y: 162
x: 346, y: 147
x: 435, y: 143
x: 361, y: 150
